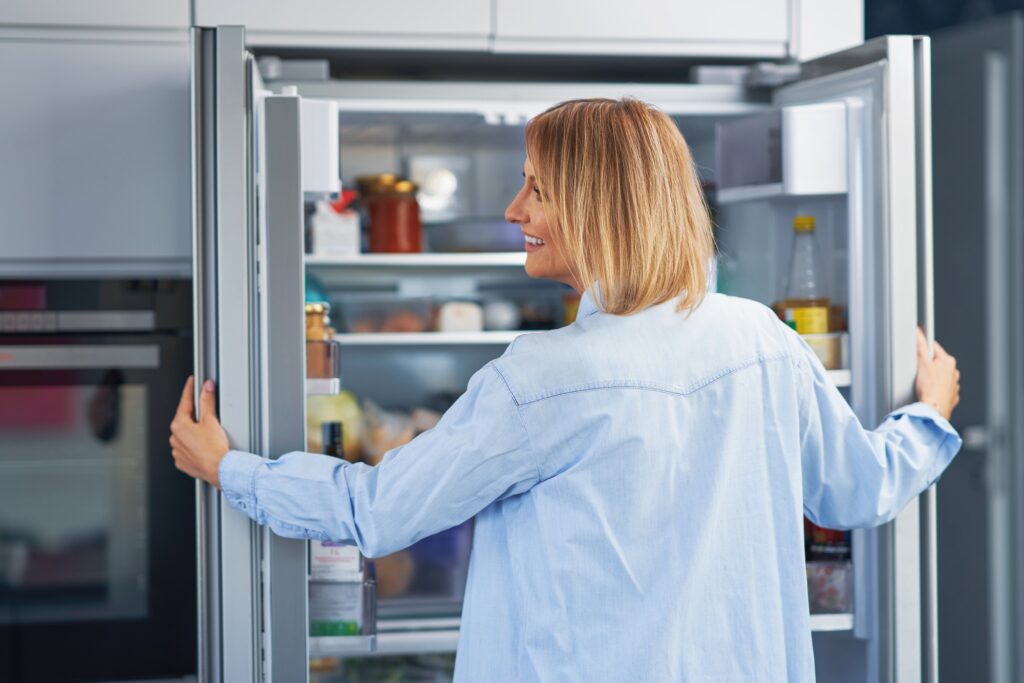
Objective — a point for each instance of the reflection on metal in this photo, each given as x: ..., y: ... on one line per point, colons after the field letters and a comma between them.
x: 79, y: 357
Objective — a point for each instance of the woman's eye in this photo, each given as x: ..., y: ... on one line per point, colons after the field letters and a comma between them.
x: 536, y: 191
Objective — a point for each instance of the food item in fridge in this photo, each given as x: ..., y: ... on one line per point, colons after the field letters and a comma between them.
x: 383, y: 430
x: 460, y: 316
x: 335, y: 608
x: 501, y: 315
x: 343, y: 408
x: 403, y: 321
x: 395, y: 226
x: 385, y: 313
x: 806, y: 307
x: 830, y: 587
x: 571, y: 307
x: 321, y: 350
x: 830, y: 348
x: 333, y: 443
x: 334, y: 228
x: 826, y: 544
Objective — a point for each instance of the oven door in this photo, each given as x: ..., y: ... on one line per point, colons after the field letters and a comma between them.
x: 97, y: 528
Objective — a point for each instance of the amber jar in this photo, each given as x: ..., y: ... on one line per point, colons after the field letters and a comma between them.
x: 395, y: 226
x: 320, y: 351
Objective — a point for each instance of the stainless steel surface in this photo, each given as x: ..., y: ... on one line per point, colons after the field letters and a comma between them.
x: 105, y: 321
x: 926, y: 318
x: 68, y: 357
x: 28, y: 322
x: 283, y: 377
x: 237, y: 349
x: 202, y: 161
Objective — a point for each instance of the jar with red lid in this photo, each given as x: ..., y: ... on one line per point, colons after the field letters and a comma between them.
x: 395, y: 226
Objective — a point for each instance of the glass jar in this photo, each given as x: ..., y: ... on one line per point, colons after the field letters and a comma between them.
x: 320, y: 346
x: 395, y: 226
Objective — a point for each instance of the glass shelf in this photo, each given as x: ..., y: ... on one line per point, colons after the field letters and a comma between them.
x: 841, y: 378
x: 430, y: 338
x: 832, y: 622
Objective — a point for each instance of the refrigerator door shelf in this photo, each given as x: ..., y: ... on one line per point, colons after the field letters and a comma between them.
x: 330, y: 386
x: 792, y: 151
x: 497, y: 338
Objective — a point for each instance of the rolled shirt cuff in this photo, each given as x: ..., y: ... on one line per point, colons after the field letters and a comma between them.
x: 237, y: 472
x: 948, y: 439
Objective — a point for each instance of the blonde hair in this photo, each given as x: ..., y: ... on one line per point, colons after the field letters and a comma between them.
x: 623, y: 201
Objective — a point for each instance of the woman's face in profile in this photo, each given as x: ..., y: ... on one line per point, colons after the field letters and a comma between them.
x: 543, y: 258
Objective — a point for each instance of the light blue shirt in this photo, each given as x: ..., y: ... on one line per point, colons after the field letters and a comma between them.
x: 639, y: 485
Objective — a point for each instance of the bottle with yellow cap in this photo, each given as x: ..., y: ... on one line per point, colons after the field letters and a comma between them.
x: 806, y: 304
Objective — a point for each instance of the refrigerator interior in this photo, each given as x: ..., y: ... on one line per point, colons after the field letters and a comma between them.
x: 484, y: 150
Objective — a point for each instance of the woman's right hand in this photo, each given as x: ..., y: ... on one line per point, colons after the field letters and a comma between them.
x: 938, y: 380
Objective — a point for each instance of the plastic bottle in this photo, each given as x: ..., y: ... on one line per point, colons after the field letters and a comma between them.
x: 806, y: 304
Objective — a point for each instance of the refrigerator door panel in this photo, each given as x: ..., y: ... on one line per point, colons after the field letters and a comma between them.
x: 979, y: 103
x: 227, y: 345
x: 283, y: 372
x: 885, y: 85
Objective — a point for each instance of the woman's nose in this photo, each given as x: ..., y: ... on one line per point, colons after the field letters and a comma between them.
x: 514, y: 212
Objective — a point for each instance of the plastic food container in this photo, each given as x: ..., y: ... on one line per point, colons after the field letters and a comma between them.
x: 832, y: 349
x: 830, y: 587
x: 384, y: 313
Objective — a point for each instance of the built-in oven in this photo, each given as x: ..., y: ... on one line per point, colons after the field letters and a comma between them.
x: 97, y: 528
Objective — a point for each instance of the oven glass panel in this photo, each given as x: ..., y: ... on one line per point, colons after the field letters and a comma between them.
x: 73, y: 512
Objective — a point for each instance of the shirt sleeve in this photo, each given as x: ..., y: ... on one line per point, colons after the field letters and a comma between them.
x: 855, y: 477
x: 478, y: 453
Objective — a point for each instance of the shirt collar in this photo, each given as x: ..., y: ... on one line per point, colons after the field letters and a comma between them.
x: 588, y: 303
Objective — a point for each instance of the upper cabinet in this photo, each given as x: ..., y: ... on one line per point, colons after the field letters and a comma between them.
x: 733, y: 28
x: 401, y: 24
x: 96, y: 13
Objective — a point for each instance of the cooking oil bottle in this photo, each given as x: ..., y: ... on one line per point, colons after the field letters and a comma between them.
x: 805, y: 304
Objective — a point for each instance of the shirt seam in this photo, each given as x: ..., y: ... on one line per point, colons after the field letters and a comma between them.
x: 651, y: 386
x: 519, y: 415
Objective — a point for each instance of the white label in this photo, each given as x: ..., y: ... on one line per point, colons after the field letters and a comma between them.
x: 330, y: 561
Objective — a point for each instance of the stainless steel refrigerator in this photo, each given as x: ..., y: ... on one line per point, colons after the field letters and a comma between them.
x: 846, y: 139
x: 978, y: 102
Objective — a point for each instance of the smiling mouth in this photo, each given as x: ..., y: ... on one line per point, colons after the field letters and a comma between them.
x: 535, y: 241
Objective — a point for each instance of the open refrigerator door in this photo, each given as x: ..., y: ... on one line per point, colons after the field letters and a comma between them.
x: 247, y: 235
x: 848, y: 144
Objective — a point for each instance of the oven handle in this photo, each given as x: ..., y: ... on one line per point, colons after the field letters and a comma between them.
x: 79, y: 357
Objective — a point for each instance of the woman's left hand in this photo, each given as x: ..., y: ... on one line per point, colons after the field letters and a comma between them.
x: 198, y: 447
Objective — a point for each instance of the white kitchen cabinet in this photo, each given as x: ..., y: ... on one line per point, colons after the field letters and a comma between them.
x: 741, y: 28
x: 96, y: 156
x: 94, y: 13
x: 402, y: 24
x: 755, y: 29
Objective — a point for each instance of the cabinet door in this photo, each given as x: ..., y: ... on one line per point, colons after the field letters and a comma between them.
x: 403, y: 24
x: 95, y: 157
x: 250, y: 329
x: 97, y: 13
x: 740, y: 28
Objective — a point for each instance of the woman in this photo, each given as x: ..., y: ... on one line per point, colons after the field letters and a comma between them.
x: 639, y: 478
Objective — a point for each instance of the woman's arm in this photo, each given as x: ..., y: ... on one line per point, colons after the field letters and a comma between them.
x: 854, y: 477
x: 479, y: 452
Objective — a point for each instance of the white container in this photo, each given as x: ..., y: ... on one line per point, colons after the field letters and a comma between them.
x: 318, y: 132
x: 332, y: 233
x: 792, y: 151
